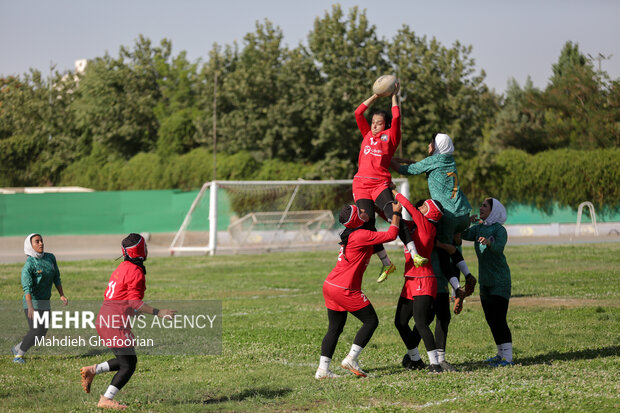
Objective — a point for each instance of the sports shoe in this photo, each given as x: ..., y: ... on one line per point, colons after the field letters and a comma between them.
x: 501, y: 363
x: 88, y: 374
x: 445, y: 366
x: 105, y: 403
x: 419, y: 260
x: 19, y: 360
x: 435, y: 368
x: 407, y: 362
x: 470, y: 284
x: 411, y: 364
x: 418, y: 365
x: 494, y: 359
x: 458, y: 300
x: 351, y: 365
x: 385, y: 271
x: 324, y: 374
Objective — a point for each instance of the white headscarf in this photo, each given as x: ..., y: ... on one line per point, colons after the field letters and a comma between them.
x: 28, y: 250
x: 443, y: 144
x: 497, y: 214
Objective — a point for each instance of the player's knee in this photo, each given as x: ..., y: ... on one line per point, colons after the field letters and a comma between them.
x: 372, y: 323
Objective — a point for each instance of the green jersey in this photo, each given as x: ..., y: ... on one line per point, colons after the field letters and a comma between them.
x: 443, y: 182
x: 493, y: 270
x: 38, y: 275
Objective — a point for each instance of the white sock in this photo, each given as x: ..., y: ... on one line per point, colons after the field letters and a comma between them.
x: 102, y: 367
x: 414, y: 354
x: 385, y: 260
x: 324, y: 363
x: 432, y: 357
x: 454, y: 282
x: 19, y: 350
x: 506, y: 351
x: 463, y: 267
x: 111, y: 392
x: 355, y: 351
x: 412, y: 249
x: 441, y: 355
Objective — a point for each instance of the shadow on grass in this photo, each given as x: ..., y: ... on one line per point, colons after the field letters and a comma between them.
x: 263, y: 392
x: 549, y: 358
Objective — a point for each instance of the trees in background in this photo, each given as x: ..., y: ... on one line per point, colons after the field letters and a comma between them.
x: 579, y: 109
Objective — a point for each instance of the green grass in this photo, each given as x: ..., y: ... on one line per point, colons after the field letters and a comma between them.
x: 565, y: 321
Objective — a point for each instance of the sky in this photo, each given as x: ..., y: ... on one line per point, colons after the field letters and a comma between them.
x: 510, y: 39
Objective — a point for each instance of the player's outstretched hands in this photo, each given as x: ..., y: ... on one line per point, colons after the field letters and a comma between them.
x: 165, y: 313
x: 396, y: 89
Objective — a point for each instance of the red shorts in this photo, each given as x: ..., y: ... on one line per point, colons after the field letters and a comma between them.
x: 419, y: 286
x: 113, y: 325
x: 342, y: 299
x: 368, y: 188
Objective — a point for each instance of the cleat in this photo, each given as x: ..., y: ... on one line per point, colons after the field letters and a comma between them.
x: 501, y: 363
x: 434, y: 369
x: 88, y: 374
x: 351, y: 365
x: 407, y: 362
x: 385, y: 271
x: 419, y: 260
x: 325, y: 374
x: 105, y: 403
x: 418, y: 365
x: 458, y: 300
x: 470, y: 285
x: 411, y: 364
x: 494, y: 359
x: 19, y: 360
x: 445, y: 366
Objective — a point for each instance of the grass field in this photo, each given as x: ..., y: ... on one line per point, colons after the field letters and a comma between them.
x: 564, y: 316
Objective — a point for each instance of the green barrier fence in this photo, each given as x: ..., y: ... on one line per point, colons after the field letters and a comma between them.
x: 113, y: 212
x: 120, y: 212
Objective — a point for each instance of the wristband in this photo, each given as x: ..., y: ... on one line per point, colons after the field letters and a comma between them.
x: 398, y: 214
x: 155, y: 311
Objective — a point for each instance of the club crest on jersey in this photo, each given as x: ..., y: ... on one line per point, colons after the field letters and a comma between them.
x: 384, y: 137
x: 366, y: 150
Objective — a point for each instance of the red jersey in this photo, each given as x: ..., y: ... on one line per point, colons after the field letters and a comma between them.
x: 352, y: 262
x: 377, y: 151
x: 423, y: 238
x: 127, y: 283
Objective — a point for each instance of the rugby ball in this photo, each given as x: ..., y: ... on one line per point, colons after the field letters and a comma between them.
x: 385, y: 85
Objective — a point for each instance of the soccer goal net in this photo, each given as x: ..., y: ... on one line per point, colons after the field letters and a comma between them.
x: 246, y: 216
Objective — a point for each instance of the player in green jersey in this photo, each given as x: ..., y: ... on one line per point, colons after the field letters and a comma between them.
x: 490, y: 238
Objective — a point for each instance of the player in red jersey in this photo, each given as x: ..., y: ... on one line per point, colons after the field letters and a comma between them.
x: 342, y: 290
x: 371, y: 183
x: 417, y: 298
x: 122, y: 299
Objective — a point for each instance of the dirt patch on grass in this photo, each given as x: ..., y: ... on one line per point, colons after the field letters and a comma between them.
x: 554, y: 302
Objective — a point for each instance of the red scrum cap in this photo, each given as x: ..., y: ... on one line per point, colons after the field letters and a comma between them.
x: 354, y: 220
x: 433, y: 213
x: 134, y: 246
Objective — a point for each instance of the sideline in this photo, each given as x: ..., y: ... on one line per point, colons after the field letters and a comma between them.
x: 85, y: 247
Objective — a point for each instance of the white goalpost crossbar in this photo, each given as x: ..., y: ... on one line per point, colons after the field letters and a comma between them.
x: 177, y: 245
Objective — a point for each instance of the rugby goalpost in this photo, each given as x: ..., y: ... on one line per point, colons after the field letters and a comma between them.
x: 265, y: 215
